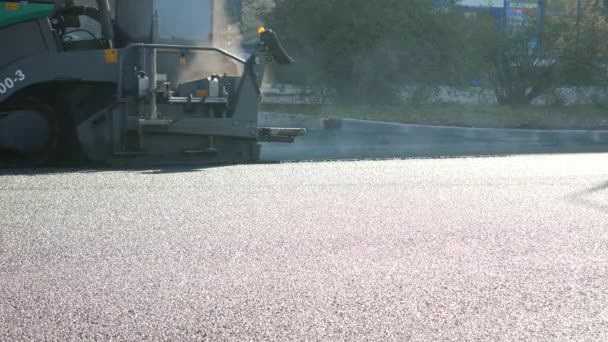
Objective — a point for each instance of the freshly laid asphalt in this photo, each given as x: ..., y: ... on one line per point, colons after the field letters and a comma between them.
x: 511, y: 248
x: 327, y: 139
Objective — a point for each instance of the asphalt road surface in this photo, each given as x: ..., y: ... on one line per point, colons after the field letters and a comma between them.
x: 356, y: 139
x: 512, y: 248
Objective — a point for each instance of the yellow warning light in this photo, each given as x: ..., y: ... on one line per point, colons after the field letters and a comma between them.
x: 111, y: 56
x: 261, y: 30
x: 12, y: 6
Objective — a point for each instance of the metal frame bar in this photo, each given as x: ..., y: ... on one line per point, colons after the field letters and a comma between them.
x: 177, y: 48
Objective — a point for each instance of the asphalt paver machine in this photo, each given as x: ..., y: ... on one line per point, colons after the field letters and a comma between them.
x: 123, y: 81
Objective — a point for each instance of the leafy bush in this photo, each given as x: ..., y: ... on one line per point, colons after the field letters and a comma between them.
x: 570, y: 53
x: 367, y: 51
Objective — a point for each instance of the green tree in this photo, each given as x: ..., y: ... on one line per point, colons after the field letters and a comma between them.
x: 566, y: 55
x: 365, y: 50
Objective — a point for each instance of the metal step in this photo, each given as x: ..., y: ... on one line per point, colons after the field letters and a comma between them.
x: 278, y: 134
x: 209, y: 100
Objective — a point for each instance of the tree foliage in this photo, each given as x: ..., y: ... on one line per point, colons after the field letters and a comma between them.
x: 368, y: 51
x: 570, y: 53
x: 364, y: 49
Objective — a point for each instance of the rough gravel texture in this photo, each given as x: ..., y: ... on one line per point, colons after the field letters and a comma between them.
x: 448, y: 249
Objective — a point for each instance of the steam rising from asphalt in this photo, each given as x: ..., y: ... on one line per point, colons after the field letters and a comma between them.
x: 226, y: 36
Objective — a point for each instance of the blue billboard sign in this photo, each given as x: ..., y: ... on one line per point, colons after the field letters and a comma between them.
x: 520, y: 14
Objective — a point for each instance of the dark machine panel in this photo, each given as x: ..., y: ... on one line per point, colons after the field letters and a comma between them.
x: 21, y: 40
x: 165, y: 21
x: 134, y: 21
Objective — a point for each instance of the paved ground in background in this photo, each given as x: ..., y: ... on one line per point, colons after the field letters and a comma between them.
x: 447, y: 249
x: 356, y: 139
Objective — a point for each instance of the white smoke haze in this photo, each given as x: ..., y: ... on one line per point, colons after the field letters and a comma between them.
x: 227, y: 36
x: 253, y: 13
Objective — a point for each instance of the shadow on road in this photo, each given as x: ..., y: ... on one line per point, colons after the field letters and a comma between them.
x: 598, y: 188
x: 582, y: 198
x: 145, y: 170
